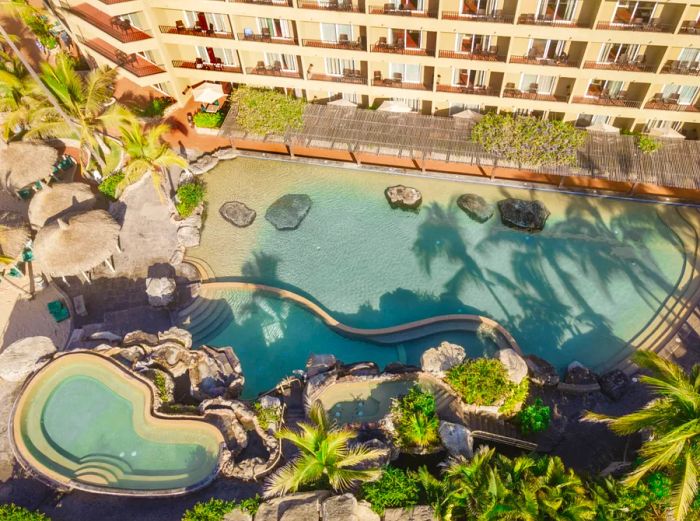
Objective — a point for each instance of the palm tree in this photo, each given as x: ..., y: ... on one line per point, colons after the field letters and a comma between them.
x: 674, y: 422
x: 325, y: 458
x: 147, y: 153
x: 416, y: 420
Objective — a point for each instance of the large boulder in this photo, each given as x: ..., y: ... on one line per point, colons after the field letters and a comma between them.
x: 339, y: 507
x: 238, y: 515
x: 287, y: 212
x: 22, y: 358
x: 475, y: 207
x: 578, y: 374
x: 523, y: 214
x: 440, y: 359
x: 317, y: 364
x: 203, y: 164
x: 161, y: 291
x: 457, y: 439
x: 174, y: 334
x: 614, y: 384
x: 404, y: 197
x: 188, y: 236
x: 276, y: 508
x: 514, y: 364
x: 237, y: 213
x: 361, y: 369
x: 541, y: 372
x: 417, y: 513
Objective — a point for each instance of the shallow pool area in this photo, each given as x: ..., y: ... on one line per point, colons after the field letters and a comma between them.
x: 83, y: 422
x: 580, y: 290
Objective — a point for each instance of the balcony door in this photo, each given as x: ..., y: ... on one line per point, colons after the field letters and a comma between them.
x: 478, y: 7
x: 473, y: 43
x: 634, y: 13
x: 338, y: 67
x: 214, y: 21
x: 598, y: 88
x: 618, y: 53
x: 277, y: 27
x: 410, y: 39
x: 545, y: 49
x: 333, y: 33
x: 409, y: 73
x: 538, y: 83
x: 468, y: 77
x: 207, y: 54
x: 286, y: 62
x: 690, y: 57
x: 685, y: 93
x: 553, y: 10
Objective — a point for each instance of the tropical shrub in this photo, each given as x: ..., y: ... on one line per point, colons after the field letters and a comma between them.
x: 109, y: 185
x: 415, y: 419
x: 215, y: 509
x: 647, y: 144
x: 159, y: 382
x: 396, y: 488
x: 646, y: 501
x: 39, y: 25
x: 188, y: 197
x: 534, y: 418
x: 12, y: 512
x: 266, y: 111
x: 528, y: 140
x: 155, y: 107
x: 267, y: 416
x: 208, y: 119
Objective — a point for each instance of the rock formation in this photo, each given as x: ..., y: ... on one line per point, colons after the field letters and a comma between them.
x: 404, y: 197
x: 287, y: 212
x: 514, y: 364
x: 22, y: 358
x: 188, y: 231
x: 237, y: 213
x: 523, y: 214
x: 317, y: 364
x: 203, y: 164
x: 578, y: 374
x: 418, y: 513
x: 475, y: 207
x: 438, y: 360
x: 614, y: 384
x: 457, y: 439
x: 320, y: 505
x: 541, y: 372
x: 161, y: 291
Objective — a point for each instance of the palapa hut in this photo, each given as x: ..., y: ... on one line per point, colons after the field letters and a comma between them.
x: 60, y: 200
x: 76, y: 244
x: 14, y: 234
x: 22, y: 164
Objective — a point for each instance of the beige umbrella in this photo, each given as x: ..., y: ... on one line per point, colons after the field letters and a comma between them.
x: 60, y: 200
x: 606, y: 128
x: 14, y: 234
x: 666, y: 133
x: 22, y: 164
x: 468, y: 114
x: 77, y: 244
x: 394, y: 106
x: 208, y: 92
x: 342, y: 102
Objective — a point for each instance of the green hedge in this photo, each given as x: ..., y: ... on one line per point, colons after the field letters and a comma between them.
x: 188, y: 197
x: 266, y: 111
x: 155, y: 107
x: 12, y: 512
x: 395, y: 488
x: 215, y: 509
x: 208, y: 119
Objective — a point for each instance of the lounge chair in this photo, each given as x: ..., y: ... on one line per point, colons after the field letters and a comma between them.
x: 58, y: 310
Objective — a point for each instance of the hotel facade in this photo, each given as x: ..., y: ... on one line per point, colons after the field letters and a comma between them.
x: 635, y: 65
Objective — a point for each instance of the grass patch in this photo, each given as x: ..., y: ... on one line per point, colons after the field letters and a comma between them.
x: 159, y: 381
x: 12, y: 512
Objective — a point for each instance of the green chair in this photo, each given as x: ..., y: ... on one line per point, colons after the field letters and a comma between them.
x: 27, y: 255
x: 58, y: 310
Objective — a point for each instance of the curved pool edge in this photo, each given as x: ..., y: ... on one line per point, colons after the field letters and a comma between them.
x: 56, y: 481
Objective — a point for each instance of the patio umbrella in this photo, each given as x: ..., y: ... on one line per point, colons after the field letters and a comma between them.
x: 394, y: 106
x: 14, y: 234
x: 603, y: 127
x: 77, y: 244
x: 22, y: 164
x: 59, y: 200
x: 469, y: 115
x: 208, y: 92
x: 666, y: 133
x: 342, y: 102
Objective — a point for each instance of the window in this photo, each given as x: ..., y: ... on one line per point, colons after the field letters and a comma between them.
x: 338, y: 67
x: 618, y: 53
x: 586, y: 120
x: 545, y: 49
x: 277, y: 28
x: 606, y: 88
x: 287, y: 62
x: 227, y: 56
x: 409, y: 39
x: 553, y: 10
x: 134, y: 18
x: 413, y: 103
x: 661, y: 123
x: 215, y: 21
x: 538, y: 83
x: 690, y: 56
x: 408, y: 73
x: 478, y: 7
x: 468, y: 77
x: 634, y: 12
x: 332, y: 32
x: 460, y: 107
x: 472, y: 43
x: 684, y: 94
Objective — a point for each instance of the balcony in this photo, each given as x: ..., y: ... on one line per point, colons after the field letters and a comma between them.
x: 191, y: 31
x: 498, y: 18
x: 396, y: 83
x: 684, y: 68
x: 608, y: 101
x: 399, y: 49
x: 477, y: 56
x: 532, y: 19
x: 206, y: 66
x: 266, y: 38
x: 392, y: 10
x: 132, y: 63
x: 332, y: 5
x: 633, y: 66
x: 114, y: 26
x: 479, y: 90
x: 690, y: 27
x: 650, y: 27
x: 344, y: 45
x: 262, y: 70
x: 561, y: 61
x: 530, y: 95
x: 354, y: 77
x: 670, y: 103
x: 277, y: 3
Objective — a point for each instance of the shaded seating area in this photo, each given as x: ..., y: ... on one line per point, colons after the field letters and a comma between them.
x: 26, y: 167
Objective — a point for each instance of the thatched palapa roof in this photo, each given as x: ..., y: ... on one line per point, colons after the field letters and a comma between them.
x: 22, y: 164
x: 60, y: 200
x: 77, y: 244
x: 14, y: 234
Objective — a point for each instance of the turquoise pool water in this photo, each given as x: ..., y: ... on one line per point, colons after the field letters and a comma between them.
x: 577, y: 291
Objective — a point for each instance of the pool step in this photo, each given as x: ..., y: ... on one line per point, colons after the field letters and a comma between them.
x: 205, y: 317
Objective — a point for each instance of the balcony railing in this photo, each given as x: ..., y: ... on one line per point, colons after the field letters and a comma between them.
x: 551, y: 62
x: 356, y: 78
x: 669, y: 104
x: 278, y: 3
x: 401, y: 11
x: 464, y: 89
x: 493, y: 18
x: 650, y: 27
x: 264, y: 38
x: 532, y: 19
x: 395, y: 49
x: 478, y: 56
x: 607, y: 101
x: 690, y: 27
x: 680, y: 67
x: 272, y: 71
x: 211, y: 33
x: 398, y: 84
x: 515, y: 93
x: 206, y: 66
x: 330, y: 6
x: 133, y: 63
x: 619, y: 66
x: 356, y: 45
x: 112, y: 25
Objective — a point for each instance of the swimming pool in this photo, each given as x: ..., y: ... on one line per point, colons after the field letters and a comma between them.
x: 82, y: 422
x: 579, y: 290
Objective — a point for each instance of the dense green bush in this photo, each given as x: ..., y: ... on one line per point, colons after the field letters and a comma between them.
x: 39, y: 25
x: 12, y: 512
x: 415, y: 419
x: 215, y: 509
x: 109, y: 185
x: 534, y: 418
x: 527, y: 140
x: 159, y: 382
x: 266, y: 111
x: 188, y: 197
x: 208, y: 119
x: 647, y: 144
x: 155, y: 107
x: 395, y: 488
x: 267, y: 416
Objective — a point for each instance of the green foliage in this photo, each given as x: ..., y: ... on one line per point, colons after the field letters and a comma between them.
x: 267, y: 416
x: 534, y: 418
x: 484, y: 381
x: 645, y: 501
x: 647, y: 144
x: 416, y: 419
x: 188, y: 197
x: 179, y: 408
x: 109, y: 185
x: 12, y: 512
x: 395, y: 488
x: 527, y: 140
x: 266, y: 111
x: 209, y: 119
x: 215, y: 509
x: 155, y: 107
x: 39, y: 25
x: 159, y: 382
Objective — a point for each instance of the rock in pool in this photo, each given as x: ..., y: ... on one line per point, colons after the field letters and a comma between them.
x: 475, y: 207
x: 522, y: 214
x: 237, y: 213
x: 287, y: 212
x: 404, y: 197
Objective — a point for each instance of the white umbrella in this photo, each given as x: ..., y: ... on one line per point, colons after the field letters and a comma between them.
x: 603, y: 127
x: 342, y: 102
x: 208, y: 92
x: 394, y: 106
x: 666, y: 133
x: 472, y: 115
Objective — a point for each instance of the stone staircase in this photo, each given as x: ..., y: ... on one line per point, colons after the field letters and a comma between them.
x: 205, y: 317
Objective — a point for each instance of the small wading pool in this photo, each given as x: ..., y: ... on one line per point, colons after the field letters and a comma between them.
x: 82, y: 421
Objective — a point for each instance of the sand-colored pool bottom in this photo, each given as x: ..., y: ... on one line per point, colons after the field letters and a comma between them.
x: 85, y: 422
